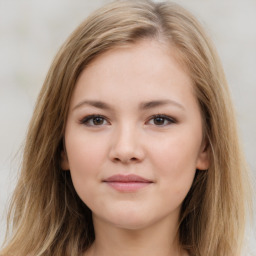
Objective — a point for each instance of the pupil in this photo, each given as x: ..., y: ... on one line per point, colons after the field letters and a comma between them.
x: 98, y: 120
x: 159, y: 120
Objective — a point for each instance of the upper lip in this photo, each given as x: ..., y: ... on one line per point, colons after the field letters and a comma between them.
x: 127, y: 178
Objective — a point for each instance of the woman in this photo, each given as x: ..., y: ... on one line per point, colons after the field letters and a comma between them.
x: 132, y: 148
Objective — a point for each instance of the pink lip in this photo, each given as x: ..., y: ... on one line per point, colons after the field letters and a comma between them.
x: 127, y: 183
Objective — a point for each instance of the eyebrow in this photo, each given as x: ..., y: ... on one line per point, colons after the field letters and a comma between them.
x: 157, y: 103
x: 93, y: 103
x: 142, y: 106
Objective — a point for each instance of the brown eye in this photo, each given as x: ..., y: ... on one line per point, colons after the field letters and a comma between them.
x: 98, y: 120
x: 161, y: 120
x: 94, y: 120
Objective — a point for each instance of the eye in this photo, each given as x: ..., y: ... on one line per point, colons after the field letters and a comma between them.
x: 161, y: 120
x: 94, y: 120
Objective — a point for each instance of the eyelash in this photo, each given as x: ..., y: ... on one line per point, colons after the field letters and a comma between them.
x: 87, y: 119
x: 169, y: 119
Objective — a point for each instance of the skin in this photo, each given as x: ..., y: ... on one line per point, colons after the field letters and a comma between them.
x: 127, y: 138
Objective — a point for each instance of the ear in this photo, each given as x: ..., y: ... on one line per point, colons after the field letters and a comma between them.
x: 203, y: 160
x: 64, y: 161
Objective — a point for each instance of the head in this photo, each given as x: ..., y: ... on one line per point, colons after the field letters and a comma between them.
x: 210, y: 198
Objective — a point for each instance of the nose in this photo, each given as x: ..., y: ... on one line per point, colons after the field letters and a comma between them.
x: 127, y: 146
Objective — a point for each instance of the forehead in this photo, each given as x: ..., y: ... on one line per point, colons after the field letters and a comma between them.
x: 141, y: 71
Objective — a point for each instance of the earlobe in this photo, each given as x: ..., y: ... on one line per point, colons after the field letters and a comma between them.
x: 64, y: 161
x: 203, y: 160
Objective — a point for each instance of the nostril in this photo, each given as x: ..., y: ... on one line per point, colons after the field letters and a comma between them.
x: 116, y: 159
x: 124, y: 153
x: 133, y: 159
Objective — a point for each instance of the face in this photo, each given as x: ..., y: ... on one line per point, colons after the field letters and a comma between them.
x: 134, y: 136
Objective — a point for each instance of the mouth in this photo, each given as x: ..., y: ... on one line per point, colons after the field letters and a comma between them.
x: 127, y: 183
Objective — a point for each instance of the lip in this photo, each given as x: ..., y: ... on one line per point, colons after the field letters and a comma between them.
x: 127, y: 183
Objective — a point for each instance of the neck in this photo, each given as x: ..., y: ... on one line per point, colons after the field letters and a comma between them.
x: 159, y: 239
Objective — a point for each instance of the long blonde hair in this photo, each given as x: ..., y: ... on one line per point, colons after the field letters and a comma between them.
x: 46, y: 215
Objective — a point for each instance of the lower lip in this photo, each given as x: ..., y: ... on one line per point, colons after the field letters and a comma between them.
x: 128, y: 186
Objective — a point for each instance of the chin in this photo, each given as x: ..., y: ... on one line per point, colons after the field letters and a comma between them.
x: 130, y: 219
x: 132, y: 224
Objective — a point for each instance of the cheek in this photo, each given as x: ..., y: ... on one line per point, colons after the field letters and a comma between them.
x: 85, y: 156
x: 84, y: 152
x: 175, y: 159
x: 176, y: 152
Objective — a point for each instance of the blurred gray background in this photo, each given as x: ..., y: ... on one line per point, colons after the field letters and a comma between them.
x: 32, y: 31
